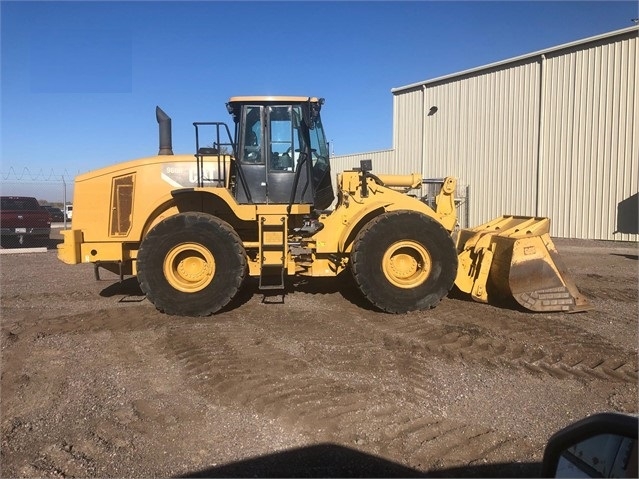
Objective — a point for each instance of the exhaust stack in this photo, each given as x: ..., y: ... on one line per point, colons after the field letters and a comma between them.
x: 166, y: 146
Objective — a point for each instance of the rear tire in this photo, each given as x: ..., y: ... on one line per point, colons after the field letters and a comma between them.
x: 404, y: 261
x: 191, y: 264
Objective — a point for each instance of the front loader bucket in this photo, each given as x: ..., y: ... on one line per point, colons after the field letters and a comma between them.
x: 513, y: 257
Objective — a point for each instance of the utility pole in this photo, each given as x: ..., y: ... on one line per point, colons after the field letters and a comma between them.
x: 64, y: 201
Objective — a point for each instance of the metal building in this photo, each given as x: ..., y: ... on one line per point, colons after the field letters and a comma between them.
x: 552, y: 133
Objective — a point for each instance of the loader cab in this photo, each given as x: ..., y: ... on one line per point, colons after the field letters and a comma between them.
x: 281, y: 150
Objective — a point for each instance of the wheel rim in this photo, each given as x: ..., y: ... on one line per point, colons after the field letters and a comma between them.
x: 189, y: 267
x: 406, y: 264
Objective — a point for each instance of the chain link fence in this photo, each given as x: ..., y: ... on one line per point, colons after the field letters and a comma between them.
x: 52, y: 189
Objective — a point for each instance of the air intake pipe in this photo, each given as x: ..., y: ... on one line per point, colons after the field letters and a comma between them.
x: 166, y: 146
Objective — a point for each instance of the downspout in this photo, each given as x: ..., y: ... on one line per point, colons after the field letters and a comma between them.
x: 540, y: 126
x: 423, y: 145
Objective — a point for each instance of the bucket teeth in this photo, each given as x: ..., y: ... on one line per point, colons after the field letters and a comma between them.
x: 553, y: 299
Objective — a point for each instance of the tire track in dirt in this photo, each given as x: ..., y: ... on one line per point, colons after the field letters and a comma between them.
x: 323, y: 399
x: 429, y: 441
x: 587, y: 359
x: 608, y: 287
x: 113, y: 387
x: 225, y: 363
x: 123, y: 319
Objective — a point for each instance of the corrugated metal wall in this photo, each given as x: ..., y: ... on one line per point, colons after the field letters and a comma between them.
x: 551, y: 134
x: 383, y: 160
x: 590, y: 137
x: 483, y: 132
x: 408, y: 121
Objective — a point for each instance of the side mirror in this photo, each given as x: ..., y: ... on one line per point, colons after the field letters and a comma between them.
x: 603, y: 445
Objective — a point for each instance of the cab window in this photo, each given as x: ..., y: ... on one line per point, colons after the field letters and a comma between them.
x: 285, y: 137
x: 252, y: 135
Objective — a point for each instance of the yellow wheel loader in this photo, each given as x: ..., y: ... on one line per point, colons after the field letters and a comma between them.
x: 255, y: 202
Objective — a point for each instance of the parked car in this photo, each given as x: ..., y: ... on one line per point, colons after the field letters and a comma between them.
x: 68, y: 210
x: 56, y: 213
x: 23, y: 219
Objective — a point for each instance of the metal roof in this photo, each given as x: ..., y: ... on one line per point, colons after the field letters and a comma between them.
x: 518, y: 58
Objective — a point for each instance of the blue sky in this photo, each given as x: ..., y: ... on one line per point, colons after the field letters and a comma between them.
x: 80, y: 80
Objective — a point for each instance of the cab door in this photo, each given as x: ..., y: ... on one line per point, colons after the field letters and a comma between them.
x: 285, y: 156
x: 282, y: 155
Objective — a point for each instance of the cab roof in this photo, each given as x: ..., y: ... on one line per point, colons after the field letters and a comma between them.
x: 275, y: 99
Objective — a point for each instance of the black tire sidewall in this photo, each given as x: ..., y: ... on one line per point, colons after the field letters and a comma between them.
x: 385, y: 230
x: 213, y: 234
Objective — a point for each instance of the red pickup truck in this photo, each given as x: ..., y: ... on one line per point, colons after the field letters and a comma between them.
x: 23, y: 220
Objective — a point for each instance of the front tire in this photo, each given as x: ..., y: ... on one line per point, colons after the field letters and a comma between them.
x: 404, y: 261
x: 191, y: 264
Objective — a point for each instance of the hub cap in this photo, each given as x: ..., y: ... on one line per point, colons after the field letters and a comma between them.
x: 189, y: 267
x: 406, y: 264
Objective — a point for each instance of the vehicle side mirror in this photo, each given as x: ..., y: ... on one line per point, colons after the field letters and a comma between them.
x: 603, y: 445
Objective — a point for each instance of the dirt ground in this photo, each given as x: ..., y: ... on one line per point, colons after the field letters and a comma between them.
x: 97, y: 383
